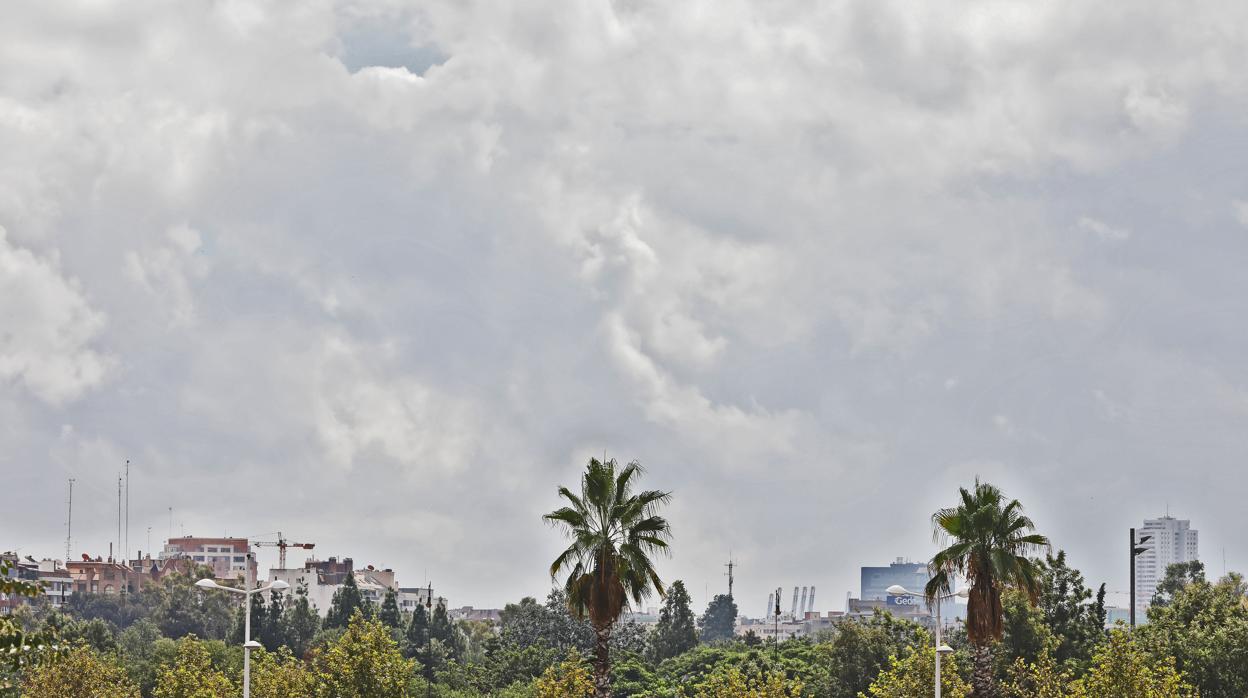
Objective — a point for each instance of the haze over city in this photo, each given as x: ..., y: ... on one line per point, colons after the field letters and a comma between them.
x: 382, y: 276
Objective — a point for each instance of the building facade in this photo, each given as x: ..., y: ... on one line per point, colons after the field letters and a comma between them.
x: 1173, y: 540
x: 876, y: 580
x: 228, y: 557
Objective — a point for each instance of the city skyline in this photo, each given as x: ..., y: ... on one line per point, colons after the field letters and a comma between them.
x: 384, y: 277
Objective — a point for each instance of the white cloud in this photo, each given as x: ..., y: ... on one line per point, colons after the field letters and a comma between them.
x: 1240, y: 210
x: 1104, y: 230
x: 49, y: 328
x: 358, y: 252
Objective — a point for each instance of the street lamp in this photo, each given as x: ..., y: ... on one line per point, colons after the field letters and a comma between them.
x: 941, y: 648
x: 247, y: 592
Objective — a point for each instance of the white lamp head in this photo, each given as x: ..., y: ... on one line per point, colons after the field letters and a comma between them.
x: 252, y: 645
x: 962, y: 593
x: 279, y: 585
x: 206, y: 584
x: 944, y: 649
x: 897, y: 590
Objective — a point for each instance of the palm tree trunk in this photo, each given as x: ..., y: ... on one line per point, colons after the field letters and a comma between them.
x: 602, y: 662
x: 983, y: 678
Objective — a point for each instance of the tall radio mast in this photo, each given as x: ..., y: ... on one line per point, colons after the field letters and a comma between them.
x: 69, y: 521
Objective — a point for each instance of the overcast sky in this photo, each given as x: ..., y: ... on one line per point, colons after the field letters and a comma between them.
x: 383, y: 275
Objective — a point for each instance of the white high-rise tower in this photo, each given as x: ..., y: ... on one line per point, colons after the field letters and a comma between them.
x: 1173, y: 540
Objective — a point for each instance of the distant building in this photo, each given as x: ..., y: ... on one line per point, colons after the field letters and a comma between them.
x: 58, y: 583
x: 491, y: 615
x: 100, y: 576
x: 1115, y: 615
x: 411, y: 597
x: 228, y: 557
x: 323, y: 578
x: 1173, y: 540
x: 19, y: 569
x: 876, y: 580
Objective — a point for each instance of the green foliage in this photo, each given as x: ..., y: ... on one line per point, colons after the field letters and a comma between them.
x: 143, y: 652
x: 441, y: 629
x: 1204, y: 627
x: 364, y: 663
x: 300, y: 623
x: 95, y: 633
x: 856, y: 652
x: 280, y: 675
x: 272, y: 633
x: 192, y: 674
x: 1041, y: 678
x: 259, y: 614
x: 474, y: 637
x: 389, y: 614
x: 417, y: 635
x: 18, y: 646
x: 675, y: 632
x: 567, y: 679
x: 1177, y: 577
x: 913, y: 675
x: 1075, y: 619
x: 1123, y: 669
x: 1026, y: 634
x: 181, y: 609
x: 81, y: 672
x: 720, y: 619
x: 732, y: 682
x: 346, y: 601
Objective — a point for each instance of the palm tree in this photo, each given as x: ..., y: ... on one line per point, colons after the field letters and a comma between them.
x: 614, y: 533
x: 991, y: 540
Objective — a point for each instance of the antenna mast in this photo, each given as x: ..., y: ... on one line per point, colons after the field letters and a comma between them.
x: 69, y: 521
x: 118, y: 515
x: 126, y: 559
x: 730, y: 567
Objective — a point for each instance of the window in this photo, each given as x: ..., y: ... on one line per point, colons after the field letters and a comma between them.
x: 200, y: 558
x: 240, y: 558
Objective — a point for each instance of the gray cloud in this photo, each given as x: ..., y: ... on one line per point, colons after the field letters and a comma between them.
x: 382, y: 278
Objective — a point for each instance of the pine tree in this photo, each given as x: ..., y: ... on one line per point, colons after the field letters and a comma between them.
x: 390, y: 615
x: 441, y: 629
x: 347, y: 600
x: 300, y: 623
x: 258, y: 615
x: 675, y: 632
x: 417, y: 631
x: 272, y: 635
x: 720, y: 620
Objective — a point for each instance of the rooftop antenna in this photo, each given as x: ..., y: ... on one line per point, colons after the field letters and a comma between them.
x: 730, y: 567
x: 118, y: 516
x: 69, y: 521
x: 171, y: 522
x: 127, y: 557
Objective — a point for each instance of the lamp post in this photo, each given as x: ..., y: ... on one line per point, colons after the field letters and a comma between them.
x: 247, y: 592
x: 941, y: 648
x: 1136, y: 547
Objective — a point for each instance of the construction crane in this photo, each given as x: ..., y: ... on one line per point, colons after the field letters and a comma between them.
x: 281, y: 544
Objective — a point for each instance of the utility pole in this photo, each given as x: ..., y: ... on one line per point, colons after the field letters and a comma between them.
x: 730, y: 567
x: 69, y: 521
